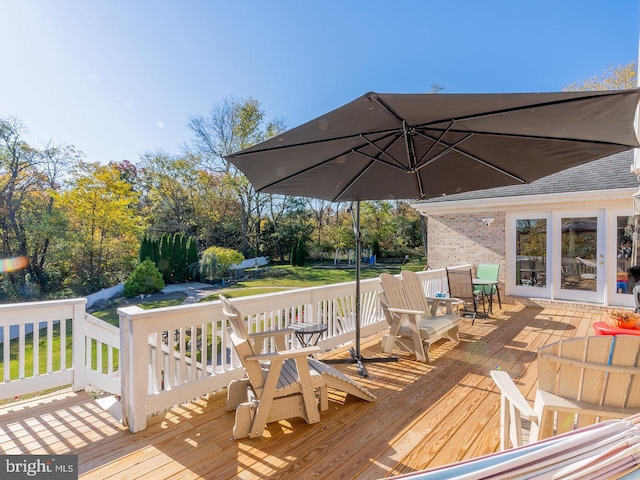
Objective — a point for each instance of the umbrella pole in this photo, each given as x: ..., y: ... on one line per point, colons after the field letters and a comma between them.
x: 358, y: 253
x: 356, y: 357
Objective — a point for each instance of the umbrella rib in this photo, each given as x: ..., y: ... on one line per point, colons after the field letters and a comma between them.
x: 354, y: 150
x: 472, y: 157
x: 392, y: 165
x: 515, y: 135
x: 387, y: 108
x: 516, y: 109
x: 354, y: 179
x: 379, y: 160
x: 284, y: 179
x: 444, y: 152
x: 386, y: 133
x: 437, y: 141
x: 382, y: 151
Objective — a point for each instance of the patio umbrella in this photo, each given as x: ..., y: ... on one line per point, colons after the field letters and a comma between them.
x: 416, y: 146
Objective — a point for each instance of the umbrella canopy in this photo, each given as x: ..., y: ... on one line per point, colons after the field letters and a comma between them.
x: 415, y: 146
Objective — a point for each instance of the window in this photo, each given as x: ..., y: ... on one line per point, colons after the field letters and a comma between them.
x: 531, y: 252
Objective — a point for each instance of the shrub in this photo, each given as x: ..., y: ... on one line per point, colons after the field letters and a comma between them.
x: 301, y: 252
x: 146, y: 278
x: 216, y: 261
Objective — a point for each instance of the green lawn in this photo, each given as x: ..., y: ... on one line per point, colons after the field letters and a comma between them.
x: 285, y: 277
x: 42, y: 352
x: 110, y: 314
x: 298, y: 277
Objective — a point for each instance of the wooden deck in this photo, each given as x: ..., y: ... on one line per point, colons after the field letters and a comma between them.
x: 425, y: 415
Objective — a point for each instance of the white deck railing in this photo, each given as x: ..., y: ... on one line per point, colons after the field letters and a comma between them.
x: 167, y: 356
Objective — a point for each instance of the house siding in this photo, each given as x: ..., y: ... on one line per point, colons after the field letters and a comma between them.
x: 466, y: 239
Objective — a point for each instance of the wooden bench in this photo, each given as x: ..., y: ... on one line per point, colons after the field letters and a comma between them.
x: 414, y: 323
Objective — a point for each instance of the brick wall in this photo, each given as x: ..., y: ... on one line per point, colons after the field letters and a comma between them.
x: 464, y: 238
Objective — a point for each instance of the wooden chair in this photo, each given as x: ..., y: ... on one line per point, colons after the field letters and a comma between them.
x: 581, y: 381
x: 413, y: 321
x: 280, y: 385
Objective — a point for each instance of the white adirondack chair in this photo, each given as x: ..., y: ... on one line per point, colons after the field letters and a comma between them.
x: 413, y: 321
x: 280, y: 385
x: 581, y: 381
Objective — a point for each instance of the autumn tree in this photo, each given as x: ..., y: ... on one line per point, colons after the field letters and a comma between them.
x: 180, y: 196
x: 231, y: 126
x: 286, y: 221
x: 29, y: 223
x: 613, y: 78
x: 320, y: 211
x: 169, y: 186
x: 104, y: 228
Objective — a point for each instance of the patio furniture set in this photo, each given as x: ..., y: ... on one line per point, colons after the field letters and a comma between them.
x: 581, y: 381
x: 290, y: 382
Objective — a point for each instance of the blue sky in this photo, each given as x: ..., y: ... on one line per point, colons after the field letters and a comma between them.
x: 117, y: 78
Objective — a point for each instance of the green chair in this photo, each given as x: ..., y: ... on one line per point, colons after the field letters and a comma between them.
x: 488, y: 271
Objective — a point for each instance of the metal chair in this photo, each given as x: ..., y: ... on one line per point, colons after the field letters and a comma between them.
x: 489, y: 271
x: 461, y: 287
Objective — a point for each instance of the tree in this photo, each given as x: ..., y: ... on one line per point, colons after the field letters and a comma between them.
x: 613, y: 78
x: 146, y: 250
x: 169, y: 186
x: 29, y: 222
x: 179, y: 257
x: 286, y: 220
x: 164, y: 260
x: 104, y: 226
x: 231, y: 126
x: 320, y: 210
x: 180, y: 196
x: 301, y: 252
x: 192, y: 258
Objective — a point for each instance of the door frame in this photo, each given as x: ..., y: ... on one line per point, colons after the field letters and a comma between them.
x: 559, y: 293
x: 510, y: 278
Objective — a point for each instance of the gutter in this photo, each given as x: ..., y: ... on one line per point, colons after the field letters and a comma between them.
x: 528, y: 202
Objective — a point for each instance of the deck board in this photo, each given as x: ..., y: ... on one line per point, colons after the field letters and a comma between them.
x: 426, y: 415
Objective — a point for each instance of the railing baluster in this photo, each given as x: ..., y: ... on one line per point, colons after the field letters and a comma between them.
x: 36, y: 349
x: 63, y: 344
x: 49, y: 345
x: 6, y: 350
x: 21, y: 339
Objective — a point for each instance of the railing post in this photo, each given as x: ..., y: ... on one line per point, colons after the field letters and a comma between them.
x: 79, y: 343
x: 133, y: 369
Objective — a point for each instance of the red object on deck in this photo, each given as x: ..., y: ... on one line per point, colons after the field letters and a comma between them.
x: 603, y: 328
